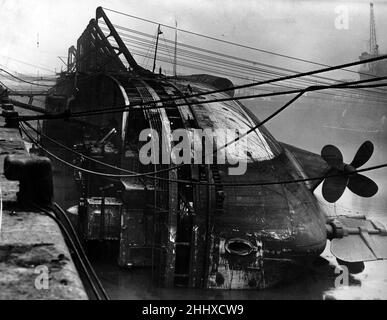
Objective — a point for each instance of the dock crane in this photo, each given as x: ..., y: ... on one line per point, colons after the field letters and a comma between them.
x: 374, y: 48
x: 375, y: 68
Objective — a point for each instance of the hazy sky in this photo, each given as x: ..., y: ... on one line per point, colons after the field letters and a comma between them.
x: 304, y: 29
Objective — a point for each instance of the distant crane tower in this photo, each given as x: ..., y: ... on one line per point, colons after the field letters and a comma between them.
x: 374, y: 48
x: 378, y: 68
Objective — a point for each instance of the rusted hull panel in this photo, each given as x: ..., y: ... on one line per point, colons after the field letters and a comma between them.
x: 257, y: 271
x: 235, y: 272
x: 285, y: 217
x: 136, y: 246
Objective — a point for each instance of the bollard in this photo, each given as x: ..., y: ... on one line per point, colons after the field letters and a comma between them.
x: 10, y: 117
x: 35, y: 176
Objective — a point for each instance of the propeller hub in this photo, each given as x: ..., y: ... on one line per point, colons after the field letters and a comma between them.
x: 349, y: 169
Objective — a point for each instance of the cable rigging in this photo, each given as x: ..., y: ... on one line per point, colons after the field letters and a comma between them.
x: 126, y: 35
x: 231, y: 43
x: 189, y: 182
x: 173, y: 168
x: 68, y: 114
x: 25, y: 81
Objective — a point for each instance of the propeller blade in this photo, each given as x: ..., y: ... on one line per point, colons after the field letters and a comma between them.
x: 362, y: 186
x: 332, y: 156
x: 363, y: 154
x: 333, y: 188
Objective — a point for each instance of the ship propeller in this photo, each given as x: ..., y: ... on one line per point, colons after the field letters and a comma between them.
x: 334, y: 187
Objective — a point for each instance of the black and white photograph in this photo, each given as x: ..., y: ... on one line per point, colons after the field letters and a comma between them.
x: 168, y: 152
